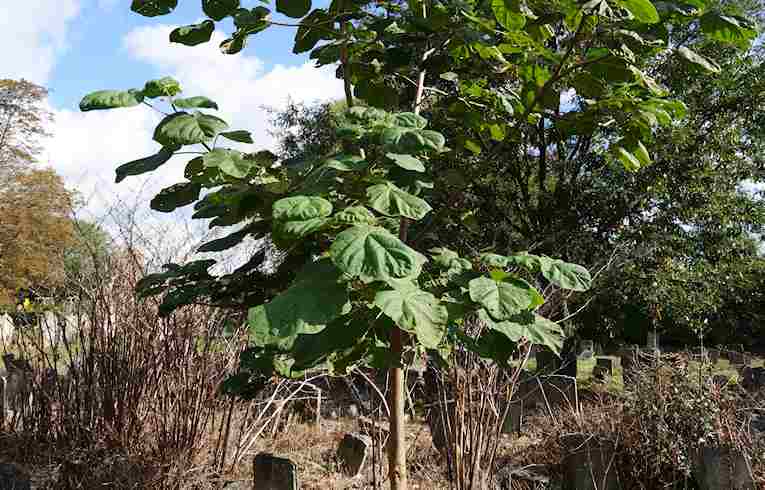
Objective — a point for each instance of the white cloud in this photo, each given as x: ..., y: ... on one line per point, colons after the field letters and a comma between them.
x: 33, y: 33
x: 238, y: 83
x: 87, y: 147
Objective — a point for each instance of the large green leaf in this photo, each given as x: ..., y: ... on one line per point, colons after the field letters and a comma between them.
x: 193, y: 34
x: 505, y: 298
x: 161, y: 87
x: 415, y: 311
x: 389, y: 200
x: 508, y: 14
x: 299, y: 216
x: 355, y: 215
x: 143, y: 165
x: 153, y: 8
x: 312, y: 30
x: 110, y: 99
x: 346, y: 163
x: 176, y: 196
x: 218, y: 9
x: 642, y: 10
x: 293, y: 8
x: 317, y: 297
x: 409, y: 120
x: 407, y: 162
x: 566, y: 275
x: 728, y: 29
x: 301, y: 208
x: 183, y: 128
x: 230, y: 162
x: 697, y: 59
x: 530, y: 326
x: 373, y: 253
x: 195, y: 102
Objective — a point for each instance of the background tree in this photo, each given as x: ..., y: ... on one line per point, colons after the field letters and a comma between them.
x: 35, y: 231
x: 86, y: 259
x: 22, y: 123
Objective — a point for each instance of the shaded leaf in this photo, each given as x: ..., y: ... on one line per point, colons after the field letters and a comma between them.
x: 301, y: 208
x: 317, y: 297
x: 697, y: 59
x: 176, y: 196
x: 230, y: 162
x: 566, y: 275
x: 153, y: 8
x: 642, y: 10
x: 193, y: 34
x: 293, y: 8
x: 143, y: 165
x: 355, y: 215
x: 219, y: 9
x: 532, y: 327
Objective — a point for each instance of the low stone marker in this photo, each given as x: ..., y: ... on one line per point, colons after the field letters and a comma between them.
x: 587, y: 348
x: 13, y: 478
x: 714, y: 356
x: 722, y: 469
x: 587, y: 463
x: 603, y: 367
x: 652, y: 341
x: 352, y: 453
x: 738, y: 358
x: 274, y: 473
x: 753, y: 379
x: 546, y: 392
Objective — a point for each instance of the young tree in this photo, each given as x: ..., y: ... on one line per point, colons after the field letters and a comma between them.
x: 354, y: 284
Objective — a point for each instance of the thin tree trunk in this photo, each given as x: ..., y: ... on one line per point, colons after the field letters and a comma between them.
x: 397, y: 441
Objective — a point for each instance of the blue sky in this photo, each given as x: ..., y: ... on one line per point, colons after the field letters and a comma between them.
x: 73, y: 47
x: 96, y: 57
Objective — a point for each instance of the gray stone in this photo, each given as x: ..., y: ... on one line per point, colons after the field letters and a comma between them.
x: 353, y: 411
x: 13, y: 478
x: 586, y: 354
x: 738, y: 358
x: 753, y: 379
x: 722, y: 469
x: 352, y: 453
x: 274, y: 473
x: 541, y: 392
x: 587, y: 463
x: 587, y: 345
x: 652, y: 340
x: 604, y: 367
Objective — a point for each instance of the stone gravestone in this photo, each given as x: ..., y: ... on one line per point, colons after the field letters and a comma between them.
x: 753, y: 379
x: 547, y: 361
x: 738, y: 358
x: 12, y: 478
x: 542, y: 392
x: 274, y: 473
x: 587, y: 349
x: 714, y: 356
x: 587, y: 463
x: 722, y: 469
x: 352, y: 453
x: 604, y: 367
x: 652, y: 342
x: 629, y: 360
x: 7, y: 328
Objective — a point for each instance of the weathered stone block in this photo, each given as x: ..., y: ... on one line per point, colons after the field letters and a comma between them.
x: 274, y: 473
x: 587, y: 463
x: 604, y: 367
x: 722, y: 469
x: 352, y: 453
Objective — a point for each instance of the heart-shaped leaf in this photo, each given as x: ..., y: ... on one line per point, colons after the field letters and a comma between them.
x: 389, y: 200
x: 415, y: 311
x: 505, y: 298
x: 193, y: 34
x: 183, y: 128
x: 110, y: 99
x: 373, y: 253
